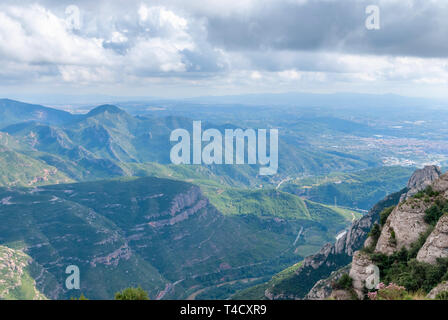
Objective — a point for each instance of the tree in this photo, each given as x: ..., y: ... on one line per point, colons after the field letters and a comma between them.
x: 132, y: 294
x: 82, y: 297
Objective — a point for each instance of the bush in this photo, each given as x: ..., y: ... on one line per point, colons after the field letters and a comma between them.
x: 82, y: 297
x: 427, y: 193
x: 442, y: 295
x: 436, y: 211
x: 132, y: 294
x: 385, y: 214
x: 344, y: 283
x: 399, y: 268
x: 374, y: 233
x: 390, y: 292
x: 393, y: 238
x: 416, y: 246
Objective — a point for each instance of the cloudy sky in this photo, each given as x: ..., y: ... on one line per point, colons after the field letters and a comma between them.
x: 179, y: 48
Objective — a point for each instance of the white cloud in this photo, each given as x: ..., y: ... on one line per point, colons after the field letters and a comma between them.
x: 35, y: 35
x: 141, y: 43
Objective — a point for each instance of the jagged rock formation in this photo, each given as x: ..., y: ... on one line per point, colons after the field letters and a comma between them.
x: 442, y: 287
x: 324, y: 288
x: 436, y: 246
x: 403, y: 227
x: 441, y: 185
x: 16, y: 281
x: 334, y: 256
x: 359, y: 272
x: 405, y: 217
x: 340, y: 295
x: 161, y: 234
x: 420, y: 180
x: 406, y: 224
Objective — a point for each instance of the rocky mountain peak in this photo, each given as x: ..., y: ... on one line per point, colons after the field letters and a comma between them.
x: 404, y: 215
x: 421, y: 179
x: 105, y: 108
x: 424, y: 177
x: 420, y: 216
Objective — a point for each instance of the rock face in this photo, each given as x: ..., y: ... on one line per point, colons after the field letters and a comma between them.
x: 359, y: 273
x: 440, y: 288
x: 341, y: 295
x: 421, y: 179
x: 406, y: 222
x: 403, y: 227
x: 441, y: 185
x: 324, y: 288
x: 436, y: 246
x: 335, y: 256
x: 16, y: 281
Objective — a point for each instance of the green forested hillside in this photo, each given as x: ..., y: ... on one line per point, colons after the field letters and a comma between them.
x: 361, y: 189
x: 16, y: 276
x: 168, y: 231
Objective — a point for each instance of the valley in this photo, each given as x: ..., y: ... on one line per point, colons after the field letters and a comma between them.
x: 97, y: 190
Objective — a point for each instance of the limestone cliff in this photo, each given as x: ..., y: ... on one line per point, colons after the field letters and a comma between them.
x: 421, y: 179
x: 403, y: 227
x: 419, y: 226
x: 332, y: 257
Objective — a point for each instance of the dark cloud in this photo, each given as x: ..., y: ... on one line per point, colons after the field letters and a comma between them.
x: 233, y: 44
x: 408, y: 28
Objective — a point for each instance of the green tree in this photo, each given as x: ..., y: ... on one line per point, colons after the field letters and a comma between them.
x: 132, y: 294
x: 82, y: 297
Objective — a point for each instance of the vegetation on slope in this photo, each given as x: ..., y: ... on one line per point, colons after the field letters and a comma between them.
x: 361, y: 189
x: 402, y: 268
x: 283, y: 281
x: 16, y: 281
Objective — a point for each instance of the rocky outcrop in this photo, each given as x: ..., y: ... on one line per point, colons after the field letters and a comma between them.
x: 335, y: 256
x: 323, y: 288
x: 406, y: 222
x: 16, y: 281
x: 441, y: 185
x: 181, y: 208
x: 341, y: 295
x: 403, y: 226
x: 421, y: 179
x: 442, y: 287
x: 359, y: 272
x: 436, y: 245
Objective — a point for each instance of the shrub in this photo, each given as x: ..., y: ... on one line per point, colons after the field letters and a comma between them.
x: 344, y: 283
x: 436, y: 211
x: 132, y: 294
x: 390, y: 292
x: 442, y: 295
x: 399, y: 268
x: 82, y: 297
x: 416, y: 246
x: 393, y: 238
x: 428, y: 192
x: 385, y: 214
x: 375, y: 232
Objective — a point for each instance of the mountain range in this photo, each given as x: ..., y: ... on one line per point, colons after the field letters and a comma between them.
x: 97, y: 190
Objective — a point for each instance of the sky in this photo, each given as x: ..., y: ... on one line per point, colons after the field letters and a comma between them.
x: 178, y: 48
